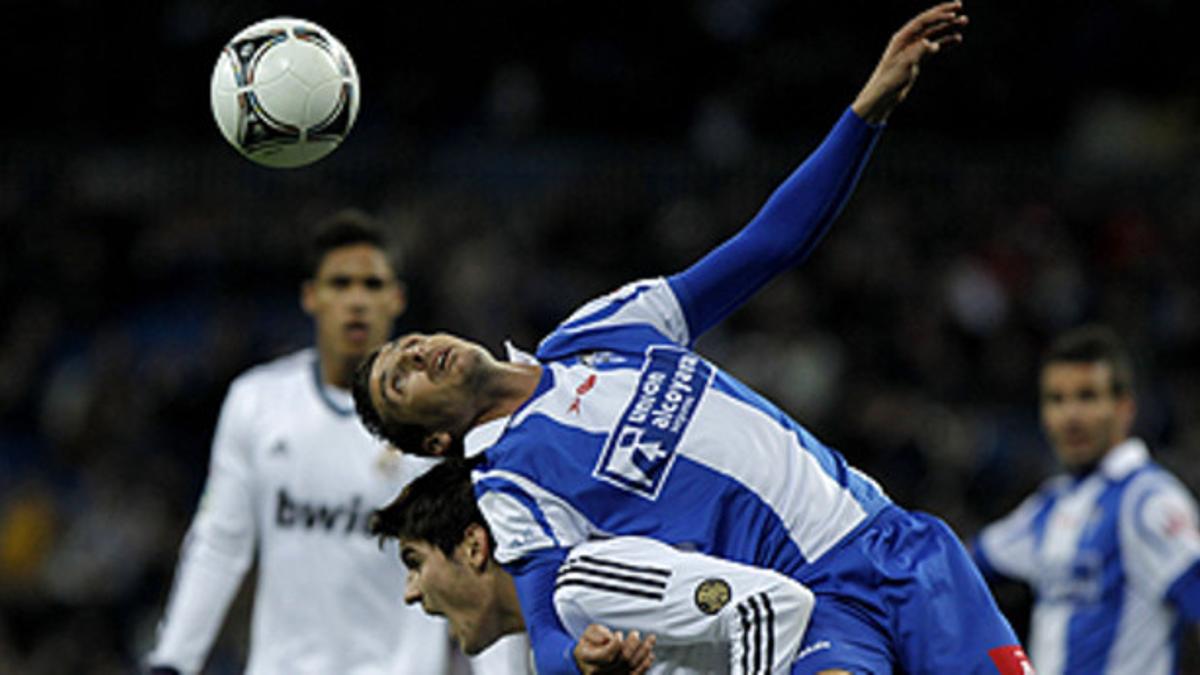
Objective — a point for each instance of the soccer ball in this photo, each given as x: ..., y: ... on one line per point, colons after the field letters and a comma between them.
x: 285, y: 92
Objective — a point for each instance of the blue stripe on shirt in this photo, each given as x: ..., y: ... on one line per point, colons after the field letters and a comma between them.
x: 1184, y: 593
x: 629, y: 339
x: 1092, y: 628
x: 717, y: 506
x: 506, y: 487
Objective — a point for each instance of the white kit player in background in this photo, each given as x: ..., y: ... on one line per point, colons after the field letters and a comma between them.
x: 632, y: 603
x: 1110, y: 547
x: 293, y: 478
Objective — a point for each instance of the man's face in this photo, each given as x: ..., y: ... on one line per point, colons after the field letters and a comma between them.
x: 452, y: 587
x: 354, y: 299
x: 432, y: 380
x: 1082, y: 414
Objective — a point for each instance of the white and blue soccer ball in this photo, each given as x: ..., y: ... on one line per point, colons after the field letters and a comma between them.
x: 285, y: 92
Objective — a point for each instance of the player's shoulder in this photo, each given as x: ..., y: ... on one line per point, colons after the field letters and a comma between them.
x: 1155, y: 479
x: 627, y: 319
x: 279, y: 372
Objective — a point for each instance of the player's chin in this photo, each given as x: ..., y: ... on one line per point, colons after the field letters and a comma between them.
x: 357, y: 346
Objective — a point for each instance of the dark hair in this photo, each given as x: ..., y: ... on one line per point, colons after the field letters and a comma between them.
x: 1094, y: 344
x: 437, y: 507
x: 344, y: 228
x: 405, y: 437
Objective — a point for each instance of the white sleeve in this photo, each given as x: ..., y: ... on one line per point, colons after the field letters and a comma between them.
x: 1009, y: 545
x: 218, y: 547
x: 690, y: 601
x: 1158, y: 532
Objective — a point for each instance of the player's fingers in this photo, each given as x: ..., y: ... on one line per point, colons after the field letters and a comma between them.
x: 944, y: 14
x: 643, y: 657
x: 596, y: 634
x: 927, y: 46
x: 944, y: 29
x: 950, y: 39
x: 644, y: 668
x: 605, y: 654
x: 630, y: 645
x: 643, y: 652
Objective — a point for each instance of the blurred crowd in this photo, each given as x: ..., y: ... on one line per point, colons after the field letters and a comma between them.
x: 139, y: 276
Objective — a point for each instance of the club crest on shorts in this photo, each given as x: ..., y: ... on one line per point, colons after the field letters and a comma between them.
x: 712, y: 595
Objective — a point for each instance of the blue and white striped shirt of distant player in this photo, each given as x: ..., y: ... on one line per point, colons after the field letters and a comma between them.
x: 630, y: 432
x: 1114, y: 561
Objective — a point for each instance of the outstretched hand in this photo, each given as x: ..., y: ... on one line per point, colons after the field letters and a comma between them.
x: 925, y: 34
x: 601, y: 651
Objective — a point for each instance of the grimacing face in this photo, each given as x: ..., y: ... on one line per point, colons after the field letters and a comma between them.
x: 354, y: 298
x: 453, y: 587
x: 1083, y: 416
x: 432, y: 380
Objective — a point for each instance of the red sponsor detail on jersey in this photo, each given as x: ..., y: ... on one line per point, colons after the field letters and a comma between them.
x: 1011, y: 660
x: 1178, y: 523
x: 580, y: 391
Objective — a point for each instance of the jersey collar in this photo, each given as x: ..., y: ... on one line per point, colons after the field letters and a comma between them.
x: 518, y: 355
x: 1125, y: 458
x: 484, y: 436
x: 339, y: 401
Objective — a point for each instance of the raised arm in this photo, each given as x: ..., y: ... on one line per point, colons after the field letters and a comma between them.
x: 797, y: 215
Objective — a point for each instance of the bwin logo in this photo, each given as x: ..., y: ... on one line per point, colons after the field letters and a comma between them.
x: 341, y: 519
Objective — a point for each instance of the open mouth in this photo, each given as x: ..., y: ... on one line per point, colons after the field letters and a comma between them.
x: 443, y: 358
x: 357, y: 331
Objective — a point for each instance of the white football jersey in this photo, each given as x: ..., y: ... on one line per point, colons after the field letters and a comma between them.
x: 293, y: 478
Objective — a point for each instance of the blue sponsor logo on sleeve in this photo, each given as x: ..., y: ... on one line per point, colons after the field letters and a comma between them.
x: 639, y: 452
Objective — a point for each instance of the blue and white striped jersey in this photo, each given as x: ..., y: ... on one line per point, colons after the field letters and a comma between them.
x: 629, y: 432
x: 632, y: 433
x: 1111, y: 558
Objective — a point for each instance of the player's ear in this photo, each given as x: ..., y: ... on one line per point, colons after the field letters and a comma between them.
x: 437, y: 444
x: 400, y: 299
x: 308, y: 297
x: 1127, y: 413
x: 476, y: 546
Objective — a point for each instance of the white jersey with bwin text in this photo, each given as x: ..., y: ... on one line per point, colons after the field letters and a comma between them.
x: 293, y: 478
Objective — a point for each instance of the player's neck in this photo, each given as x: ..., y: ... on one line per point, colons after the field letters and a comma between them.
x: 506, y: 389
x: 336, y: 372
x: 510, y: 617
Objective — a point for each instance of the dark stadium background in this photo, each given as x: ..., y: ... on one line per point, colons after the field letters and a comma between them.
x: 529, y: 155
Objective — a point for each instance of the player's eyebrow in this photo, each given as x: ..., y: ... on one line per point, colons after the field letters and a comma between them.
x: 379, y: 375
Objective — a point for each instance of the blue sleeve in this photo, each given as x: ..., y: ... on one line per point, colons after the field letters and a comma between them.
x: 787, y: 228
x: 1184, y: 593
x: 553, y: 647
